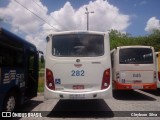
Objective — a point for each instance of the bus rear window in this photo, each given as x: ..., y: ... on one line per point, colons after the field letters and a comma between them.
x: 78, y: 45
x: 136, y: 56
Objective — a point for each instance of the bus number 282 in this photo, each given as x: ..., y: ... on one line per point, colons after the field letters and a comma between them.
x: 77, y: 73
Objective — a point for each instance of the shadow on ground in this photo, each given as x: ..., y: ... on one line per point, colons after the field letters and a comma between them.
x: 81, y: 109
x: 131, y: 95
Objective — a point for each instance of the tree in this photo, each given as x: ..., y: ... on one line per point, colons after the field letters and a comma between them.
x: 120, y: 39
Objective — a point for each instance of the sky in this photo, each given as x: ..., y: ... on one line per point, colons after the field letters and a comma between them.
x: 33, y: 20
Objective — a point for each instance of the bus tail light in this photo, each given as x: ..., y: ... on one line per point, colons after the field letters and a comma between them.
x: 50, y: 79
x: 159, y: 75
x: 106, y: 79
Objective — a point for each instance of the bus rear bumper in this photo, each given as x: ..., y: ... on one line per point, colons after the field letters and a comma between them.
x: 145, y: 86
x: 101, y: 94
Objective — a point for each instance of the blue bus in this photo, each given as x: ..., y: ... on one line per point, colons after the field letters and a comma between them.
x: 18, y: 70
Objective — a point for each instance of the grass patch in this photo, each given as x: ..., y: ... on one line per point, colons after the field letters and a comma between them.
x: 41, y: 84
x: 41, y: 81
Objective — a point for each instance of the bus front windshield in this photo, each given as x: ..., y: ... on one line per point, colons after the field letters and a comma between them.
x: 78, y: 45
x: 136, y: 56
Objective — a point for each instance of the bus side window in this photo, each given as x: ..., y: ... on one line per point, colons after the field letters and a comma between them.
x: 6, y: 57
x: 31, y: 64
x: 1, y: 58
x: 19, y: 59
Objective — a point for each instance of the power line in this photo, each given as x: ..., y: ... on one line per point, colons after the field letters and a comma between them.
x: 37, y: 15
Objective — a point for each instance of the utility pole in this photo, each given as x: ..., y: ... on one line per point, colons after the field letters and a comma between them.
x: 87, y: 13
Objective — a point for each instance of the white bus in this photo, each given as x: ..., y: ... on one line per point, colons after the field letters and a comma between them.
x: 133, y: 68
x: 78, y: 65
x: 158, y: 68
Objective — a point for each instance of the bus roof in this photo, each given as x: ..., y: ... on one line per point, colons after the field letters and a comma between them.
x: 78, y: 32
x: 135, y: 46
x: 15, y: 37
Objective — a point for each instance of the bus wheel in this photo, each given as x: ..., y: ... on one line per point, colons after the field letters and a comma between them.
x: 10, y: 102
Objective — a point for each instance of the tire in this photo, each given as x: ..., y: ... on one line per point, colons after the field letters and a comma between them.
x: 10, y: 102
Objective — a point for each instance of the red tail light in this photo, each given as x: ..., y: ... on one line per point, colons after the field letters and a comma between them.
x: 159, y: 76
x: 50, y: 79
x: 106, y: 79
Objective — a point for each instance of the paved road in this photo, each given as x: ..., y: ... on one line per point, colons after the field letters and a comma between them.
x: 122, y: 106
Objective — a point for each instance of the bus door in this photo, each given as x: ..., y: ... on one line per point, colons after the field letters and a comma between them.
x: 32, y: 75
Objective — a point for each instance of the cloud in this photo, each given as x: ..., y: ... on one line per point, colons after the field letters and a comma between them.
x: 62, y: 19
x: 105, y: 17
x: 143, y: 2
x: 38, y: 40
x: 152, y: 24
x: 23, y: 19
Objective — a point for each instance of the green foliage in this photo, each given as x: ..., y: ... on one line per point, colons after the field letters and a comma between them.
x: 41, y: 84
x: 120, y: 39
x: 41, y: 76
x: 41, y: 64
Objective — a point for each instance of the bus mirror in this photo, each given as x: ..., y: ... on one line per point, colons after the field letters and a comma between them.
x: 157, y: 55
x: 42, y: 59
x: 40, y: 52
x: 42, y: 56
x: 47, y: 38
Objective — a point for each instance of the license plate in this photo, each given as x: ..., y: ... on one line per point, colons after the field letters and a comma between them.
x: 137, y: 87
x: 78, y: 87
x: 137, y: 81
x: 77, y: 96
